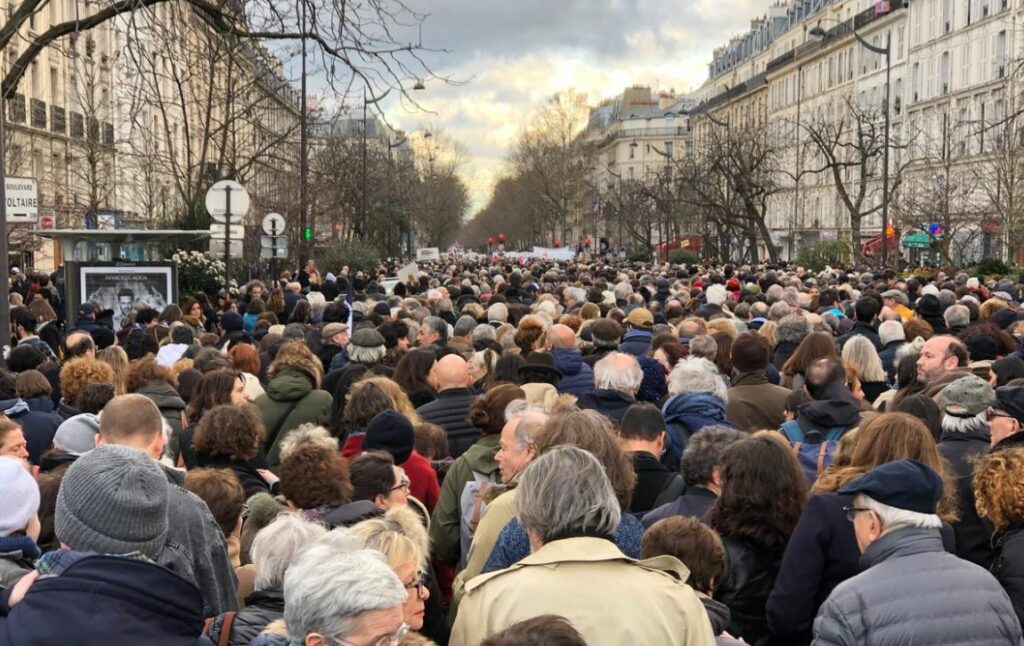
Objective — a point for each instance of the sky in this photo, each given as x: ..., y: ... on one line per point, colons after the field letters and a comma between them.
x: 512, y: 55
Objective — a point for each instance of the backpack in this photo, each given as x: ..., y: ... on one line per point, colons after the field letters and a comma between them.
x: 471, y: 508
x: 815, y: 449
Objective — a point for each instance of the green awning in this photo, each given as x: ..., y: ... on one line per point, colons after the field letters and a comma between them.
x: 917, y: 240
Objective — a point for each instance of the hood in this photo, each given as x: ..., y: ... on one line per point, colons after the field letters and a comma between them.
x: 288, y: 385
x: 837, y: 408
x: 569, y: 361
x: 480, y: 456
x: 41, y: 404
x: 703, y: 407
x: 718, y: 613
x: 15, y: 407
x: 603, y: 398
x: 163, y: 394
x: 637, y: 333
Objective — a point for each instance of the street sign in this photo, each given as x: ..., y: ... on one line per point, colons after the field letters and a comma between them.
x: 217, y: 248
x: 273, y: 253
x: 220, y: 231
x: 273, y: 224
x: 22, y: 199
x: 274, y: 242
x: 47, y: 222
x: 227, y: 193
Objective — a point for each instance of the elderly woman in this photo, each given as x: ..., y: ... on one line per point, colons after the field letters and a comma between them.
x: 617, y: 378
x: 569, y: 510
x: 275, y: 548
x: 697, y: 399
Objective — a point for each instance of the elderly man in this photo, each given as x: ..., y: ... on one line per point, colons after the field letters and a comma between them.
x: 697, y: 399
x: 451, y: 379
x: 897, y: 301
x: 333, y: 339
x: 577, y: 376
x: 701, y: 473
x: 517, y: 450
x: 911, y: 589
x: 617, y: 378
x: 337, y: 594
x: 1006, y: 418
x: 957, y: 318
x: 943, y: 360
x: 433, y: 333
x: 893, y: 337
x: 704, y: 346
x: 462, y: 335
x: 754, y: 403
x: 497, y: 314
x: 637, y: 340
x: 965, y: 437
x: 605, y: 335
x: 568, y: 508
x: 793, y: 328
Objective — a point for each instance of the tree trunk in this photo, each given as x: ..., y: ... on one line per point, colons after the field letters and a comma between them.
x: 855, y: 244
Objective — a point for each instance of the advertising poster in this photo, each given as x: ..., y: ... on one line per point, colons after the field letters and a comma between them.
x: 121, y: 287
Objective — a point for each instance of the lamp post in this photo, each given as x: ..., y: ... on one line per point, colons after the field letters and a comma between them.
x: 886, y: 51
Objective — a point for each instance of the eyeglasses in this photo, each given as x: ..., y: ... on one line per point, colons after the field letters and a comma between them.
x: 851, y: 511
x: 404, y: 484
x: 388, y: 640
x: 991, y: 412
x: 420, y: 585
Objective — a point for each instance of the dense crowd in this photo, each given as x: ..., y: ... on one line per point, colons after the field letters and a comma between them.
x: 532, y: 453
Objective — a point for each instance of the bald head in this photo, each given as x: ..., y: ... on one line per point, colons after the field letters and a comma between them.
x: 561, y: 336
x: 451, y: 371
x: 134, y: 421
x: 79, y: 344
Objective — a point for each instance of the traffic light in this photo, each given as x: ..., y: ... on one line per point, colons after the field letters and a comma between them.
x: 501, y: 238
x: 890, y: 232
x: 307, y: 234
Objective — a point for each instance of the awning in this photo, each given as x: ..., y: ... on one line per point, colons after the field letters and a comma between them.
x: 874, y: 245
x: 917, y: 240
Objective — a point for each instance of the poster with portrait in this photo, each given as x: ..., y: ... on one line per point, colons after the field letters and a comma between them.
x: 120, y: 287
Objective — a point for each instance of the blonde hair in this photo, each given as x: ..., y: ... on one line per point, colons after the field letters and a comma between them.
x: 115, y: 357
x: 769, y: 331
x: 399, y: 399
x: 725, y: 326
x: 398, y: 535
x: 860, y: 353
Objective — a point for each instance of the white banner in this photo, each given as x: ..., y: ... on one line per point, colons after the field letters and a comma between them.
x: 412, y: 269
x: 428, y: 254
x: 554, y: 253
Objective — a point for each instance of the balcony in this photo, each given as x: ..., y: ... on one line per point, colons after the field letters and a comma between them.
x: 16, y: 108
x: 57, y: 120
x: 38, y: 112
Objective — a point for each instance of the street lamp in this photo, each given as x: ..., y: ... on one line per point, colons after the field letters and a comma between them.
x: 886, y: 51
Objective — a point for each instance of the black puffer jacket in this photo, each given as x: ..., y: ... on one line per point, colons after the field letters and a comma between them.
x: 973, y: 534
x: 1008, y: 565
x: 450, y: 411
x: 262, y: 608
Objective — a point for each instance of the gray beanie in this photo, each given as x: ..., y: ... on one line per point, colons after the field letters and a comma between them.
x: 113, y: 500
x: 77, y: 435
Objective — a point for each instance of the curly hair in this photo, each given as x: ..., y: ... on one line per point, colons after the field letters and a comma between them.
x: 592, y: 431
x: 80, y: 372
x: 763, y: 492
x: 314, y: 475
x: 529, y: 332
x: 234, y: 431
x: 997, y: 492
x: 487, y: 413
x: 297, y: 356
x: 144, y: 371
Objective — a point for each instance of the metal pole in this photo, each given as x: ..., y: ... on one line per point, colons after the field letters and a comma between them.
x: 227, y: 239
x: 5, y: 301
x: 885, y: 162
x: 304, y: 244
x: 364, y: 201
x: 796, y: 189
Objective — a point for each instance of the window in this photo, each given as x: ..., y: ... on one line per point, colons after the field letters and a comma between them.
x: 982, y: 53
x: 967, y: 11
x: 629, y: 172
x: 632, y: 151
x: 55, y: 97
x: 1000, y: 57
x: 901, y: 36
x: 915, y: 82
x: 965, y: 65
x: 944, y: 73
x: 947, y: 16
x: 669, y: 149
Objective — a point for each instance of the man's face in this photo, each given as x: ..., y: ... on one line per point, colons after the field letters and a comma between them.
x: 934, y: 360
x: 124, y: 304
x: 341, y: 339
x: 512, y: 458
x: 14, y: 445
x: 1001, y: 425
x: 426, y: 337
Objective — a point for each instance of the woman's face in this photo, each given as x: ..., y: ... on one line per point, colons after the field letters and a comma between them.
x: 398, y: 496
x: 238, y: 395
x: 413, y: 609
x: 196, y: 310
x: 662, y: 358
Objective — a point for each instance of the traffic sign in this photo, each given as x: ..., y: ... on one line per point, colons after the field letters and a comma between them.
x: 22, y: 194
x: 220, y: 231
x: 217, y: 248
x: 274, y: 242
x: 273, y: 224
x: 224, y: 194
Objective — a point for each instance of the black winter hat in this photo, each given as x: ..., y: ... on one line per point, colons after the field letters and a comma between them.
x: 392, y: 432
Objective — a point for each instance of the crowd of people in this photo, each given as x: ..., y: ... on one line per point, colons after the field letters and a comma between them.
x: 536, y: 453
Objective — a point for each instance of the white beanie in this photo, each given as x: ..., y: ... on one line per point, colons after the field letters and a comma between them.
x: 20, y: 499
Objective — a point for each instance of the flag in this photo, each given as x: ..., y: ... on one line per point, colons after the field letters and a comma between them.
x: 881, y: 7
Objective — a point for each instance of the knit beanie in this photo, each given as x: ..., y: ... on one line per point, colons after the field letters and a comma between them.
x: 20, y: 499
x: 231, y: 321
x: 77, y: 435
x: 112, y: 500
x: 392, y: 432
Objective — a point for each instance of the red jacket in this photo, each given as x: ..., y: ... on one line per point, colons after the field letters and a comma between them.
x: 423, y: 483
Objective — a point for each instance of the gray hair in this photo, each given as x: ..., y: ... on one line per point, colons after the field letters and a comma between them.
x: 438, y: 325
x: 895, y: 518
x: 529, y: 420
x: 317, y: 303
x: 860, y: 352
x: 703, y: 345
x: 946, y: 298
x: 305, y: 435
x: 957, y: 316
x: 465, y: 325
x: 793, y: 328
x: 484, y: 332
x: 704, y: 451
x: 564, y: 491
x: 890, y: 331
x: 278, y: 544
x: 331, y: 586
x: 696, y: 375
x: 366, y: 356
x: 758, y: 310
x: 622, y: 291
x: 779, y: 310
x: 774, y: 293
x: 960, y: 424
x: 791, y: 296
x: 578, y: 294
x: 618, y: 371
x: 498, y: 312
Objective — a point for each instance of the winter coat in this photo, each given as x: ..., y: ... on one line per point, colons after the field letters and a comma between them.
x: 636, y: 342
x: 172, y: 408
x: 719, y: 615
x: 450, y: 411
x: 586, y: 580
x: 837, y: 407
x: 913, y: 592
x: 513, y: 543
x: 610, y: 403
x: 577, y: 377
x: 594, y: 355
x: 685, y: 415
x: 195, y: 548
x: 423, y: 484
x: 652, y: 481
x: 38, y: 421
x: 888, y: 356
x: 821, y: 553
x: 866, y: 330
x: 973, y: 533
x: 499, y: 512
x: 170, y: 353
x: 750, y: 571
x: 755, y: 404
x: 133, y: 345
x: 445, y: 524
x: 289, y: 400
x: 1008, y: 565
x: 783, y: 351
x: 252, y: 482
x: 105, y: 600
x: 262, y: 608
x: 17, y: 556
x: 41, y: 345
x: 345, y: 515
x: 695, y: 503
